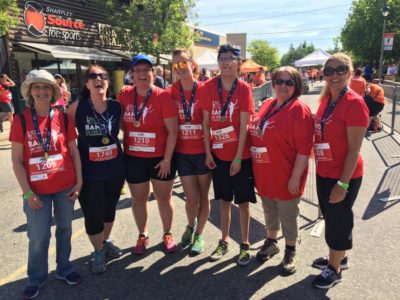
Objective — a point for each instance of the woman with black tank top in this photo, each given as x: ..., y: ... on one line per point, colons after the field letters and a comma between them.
x: 97, y: 119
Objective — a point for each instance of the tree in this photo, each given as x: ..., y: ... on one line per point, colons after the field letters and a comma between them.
x: 362, y: 34
x: 151, y: 26
x: 293, y: 54
x: 264, y: 54
x: 8, y: 15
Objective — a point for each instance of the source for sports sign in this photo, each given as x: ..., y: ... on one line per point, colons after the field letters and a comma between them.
x: 388, y: 39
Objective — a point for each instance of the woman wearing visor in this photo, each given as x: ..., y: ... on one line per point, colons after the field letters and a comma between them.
x: 340, y: 125
x: 189, y: 151
x: 227, y: 106
x: 150, y: 131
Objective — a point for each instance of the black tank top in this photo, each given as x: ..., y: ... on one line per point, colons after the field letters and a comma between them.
x: 90, y: 135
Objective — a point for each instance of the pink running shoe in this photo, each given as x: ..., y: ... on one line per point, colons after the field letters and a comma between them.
x: 141, y: 245
x: 169, y: 243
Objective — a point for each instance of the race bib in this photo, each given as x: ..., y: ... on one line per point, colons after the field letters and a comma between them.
x: 322, y: 152
x: 259, y: 155
x: 142, y: 141
x: 103, y: 153
x: 190, y: 132
x: 223, y: 136
x: 40, y: 168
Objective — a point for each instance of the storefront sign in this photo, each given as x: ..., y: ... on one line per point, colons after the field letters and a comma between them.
x: 206, y: 38
x: 58, y: 22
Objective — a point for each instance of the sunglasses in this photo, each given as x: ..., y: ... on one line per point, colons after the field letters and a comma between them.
x: 229, y: 59
x: 340, y: 70
x: 93, y: 76
x: 289, y: 82
x: 180, y: 65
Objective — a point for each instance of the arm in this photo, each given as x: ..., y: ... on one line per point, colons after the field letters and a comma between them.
x: 172, y: 128
x: 210, y: 163
x: 9, y: 82
x: 236, y: 165
x: 76, y: 159
x: 72, y: 110
x: 355, y: 136
x: 300, y: 165
x: 17, y: 154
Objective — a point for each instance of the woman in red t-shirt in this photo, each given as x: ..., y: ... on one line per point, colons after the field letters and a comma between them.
x: 47, y: 166
x: 189, y: 151
x: 340, y: 125
x: 6, y: 105
x: 282, y: 135
x: 150, y: 127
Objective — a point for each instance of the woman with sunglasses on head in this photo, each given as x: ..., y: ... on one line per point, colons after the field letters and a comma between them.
x: 97, y: 118
x: 282, y: 138
x: 227, y: 106
x: 48, y: 168
x: 62, y: 102
x: 340, y: 125
x: 150, y: 126
x: 189, y: 151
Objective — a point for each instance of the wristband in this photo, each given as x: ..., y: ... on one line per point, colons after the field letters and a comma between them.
x: 343, y: 185
x: 237, y: 160
x: 27, y: 195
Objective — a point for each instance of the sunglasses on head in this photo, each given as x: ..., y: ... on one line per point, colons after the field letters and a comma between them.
x: 180, y: 65
x: 340, y: 70
x: 289, y: 82
x: 92, y: 76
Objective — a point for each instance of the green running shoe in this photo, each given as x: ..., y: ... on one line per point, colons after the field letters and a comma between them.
x: 198, y: 244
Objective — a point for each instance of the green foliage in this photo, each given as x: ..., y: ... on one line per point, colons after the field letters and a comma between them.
x: 8, y: 15
x: 264, y: 54
x: 293, y: 54
x: 151, y: 26
x: 362, y: 34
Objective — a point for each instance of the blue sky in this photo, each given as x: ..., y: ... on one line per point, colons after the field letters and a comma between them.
x: 278, y: 22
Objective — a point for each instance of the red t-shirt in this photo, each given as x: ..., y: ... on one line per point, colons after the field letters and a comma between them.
x: 190, y: 136
x: 287, y: 133
x: 330, y: 153
x: 7, y: 96
x: 57, y: 173
x: 358, y: 84
x: 150, y: 138
x: 225, y: 135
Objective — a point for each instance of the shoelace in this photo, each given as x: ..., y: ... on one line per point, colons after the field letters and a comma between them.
x: 168, y: 239
x: 141, y: 240
x: 327, y: 273
x: 242, y: 253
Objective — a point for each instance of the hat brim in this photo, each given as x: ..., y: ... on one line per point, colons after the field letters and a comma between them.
x: 27, y: 83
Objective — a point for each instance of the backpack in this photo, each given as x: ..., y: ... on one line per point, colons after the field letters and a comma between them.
x: 23, y: 122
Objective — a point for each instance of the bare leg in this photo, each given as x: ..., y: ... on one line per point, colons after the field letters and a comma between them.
x: 163, y: 193
x: 244, y: 211
x: 225, y: 219
x: 140, y: 196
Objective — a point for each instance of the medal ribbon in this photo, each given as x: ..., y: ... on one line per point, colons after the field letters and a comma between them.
x: 45, y: 144
x: 102, y: 119
x: 186, y: 109
x: 270, y: 113
x: 135, y: 106
x: 329, y: 110
x: 228, y: 100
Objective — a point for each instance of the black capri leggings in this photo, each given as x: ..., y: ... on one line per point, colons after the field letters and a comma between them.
x: 98, y: 200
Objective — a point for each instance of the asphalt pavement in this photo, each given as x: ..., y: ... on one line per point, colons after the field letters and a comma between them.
x: 374, y: 264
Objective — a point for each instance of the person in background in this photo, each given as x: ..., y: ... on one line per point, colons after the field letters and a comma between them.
x: 6, y: 105
x: 150, y: 124
x: 358, y: 83
x: 340, y: 124
x: 65, y: 94
x: 47, y: 166
x: 97, y: 119
x: 259, y: 77
x: 159, y: 78
x: 205, y: 75
x: 375, y: 100
x: 227, y: 106
x: 282, y: 133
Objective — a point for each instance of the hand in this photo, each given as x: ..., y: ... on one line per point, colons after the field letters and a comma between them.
x: 293, y: 185
x: 210, y: 163
x: 235, y: 168
x: 74, y: 193
x: 34, y: 202
x: 337, y: 194
x: 165, y: 166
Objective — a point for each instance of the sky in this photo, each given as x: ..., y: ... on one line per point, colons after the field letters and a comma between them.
x: 280, y: 22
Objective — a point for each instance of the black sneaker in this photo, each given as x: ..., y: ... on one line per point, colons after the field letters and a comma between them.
x: 72, y: 278
x: 220, y: 251
x: 289, y: 263
x: 244, y: 257
x: 322, y: 262
x: 268, y: 250
x: 32, y: 291
x: 328, y: 278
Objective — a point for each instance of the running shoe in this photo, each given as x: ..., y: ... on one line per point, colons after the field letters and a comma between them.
x: 289, y: 262
x: 268, y: 250
x: 220, y: 251
x: 72, y: 278
x: 111, y: 250
x: 169, y: 243
x: 141, y: 244
x: 322, y: 262
x: 198, y: 244
x: 187, y: 237
x: 328, y: 278
x: 32, y: 291
x: 244, y: 255
x: 99, y: 262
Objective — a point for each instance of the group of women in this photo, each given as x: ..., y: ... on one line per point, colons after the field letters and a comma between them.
x: 205, y: 131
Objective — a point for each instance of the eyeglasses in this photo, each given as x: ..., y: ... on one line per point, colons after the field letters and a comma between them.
x: 229, y: 59
x: 340, y: 70
x: 144, y: 70
x: 93, y: 76
x: 289, y: 82
x: 180, y: 65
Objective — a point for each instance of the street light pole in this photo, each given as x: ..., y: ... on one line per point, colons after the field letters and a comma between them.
x: 385, y: 13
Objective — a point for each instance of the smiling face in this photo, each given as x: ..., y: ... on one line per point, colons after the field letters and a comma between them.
x: 283, y: 91
x: 228, y: 64
x: 97, y: 86
x: 178, y: 62
x: 337, y: 82
x: 143, y: 75
x: 41, y: 92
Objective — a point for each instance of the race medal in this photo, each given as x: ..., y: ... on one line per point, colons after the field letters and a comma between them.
x: 222, y: 119
x: 46, y: 156
x: 105, y: 140
x: 136, y: 124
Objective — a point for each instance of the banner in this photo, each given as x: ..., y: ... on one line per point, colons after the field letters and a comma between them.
x: 388, y: 39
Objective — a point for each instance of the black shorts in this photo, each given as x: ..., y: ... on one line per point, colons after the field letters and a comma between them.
x: 373, y: 106
x: 98, y: 200
x: 339, y: 219
x: 6, y: 107
x: 141, y: 169
x: 240, y: 186
x: 191, y: 164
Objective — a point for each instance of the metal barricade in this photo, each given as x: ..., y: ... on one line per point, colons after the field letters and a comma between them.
x: 391, y: 108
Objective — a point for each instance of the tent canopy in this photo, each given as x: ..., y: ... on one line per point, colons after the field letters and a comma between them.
x: 207, y: 60
x: 250, y: 66
x: 318, y: 57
